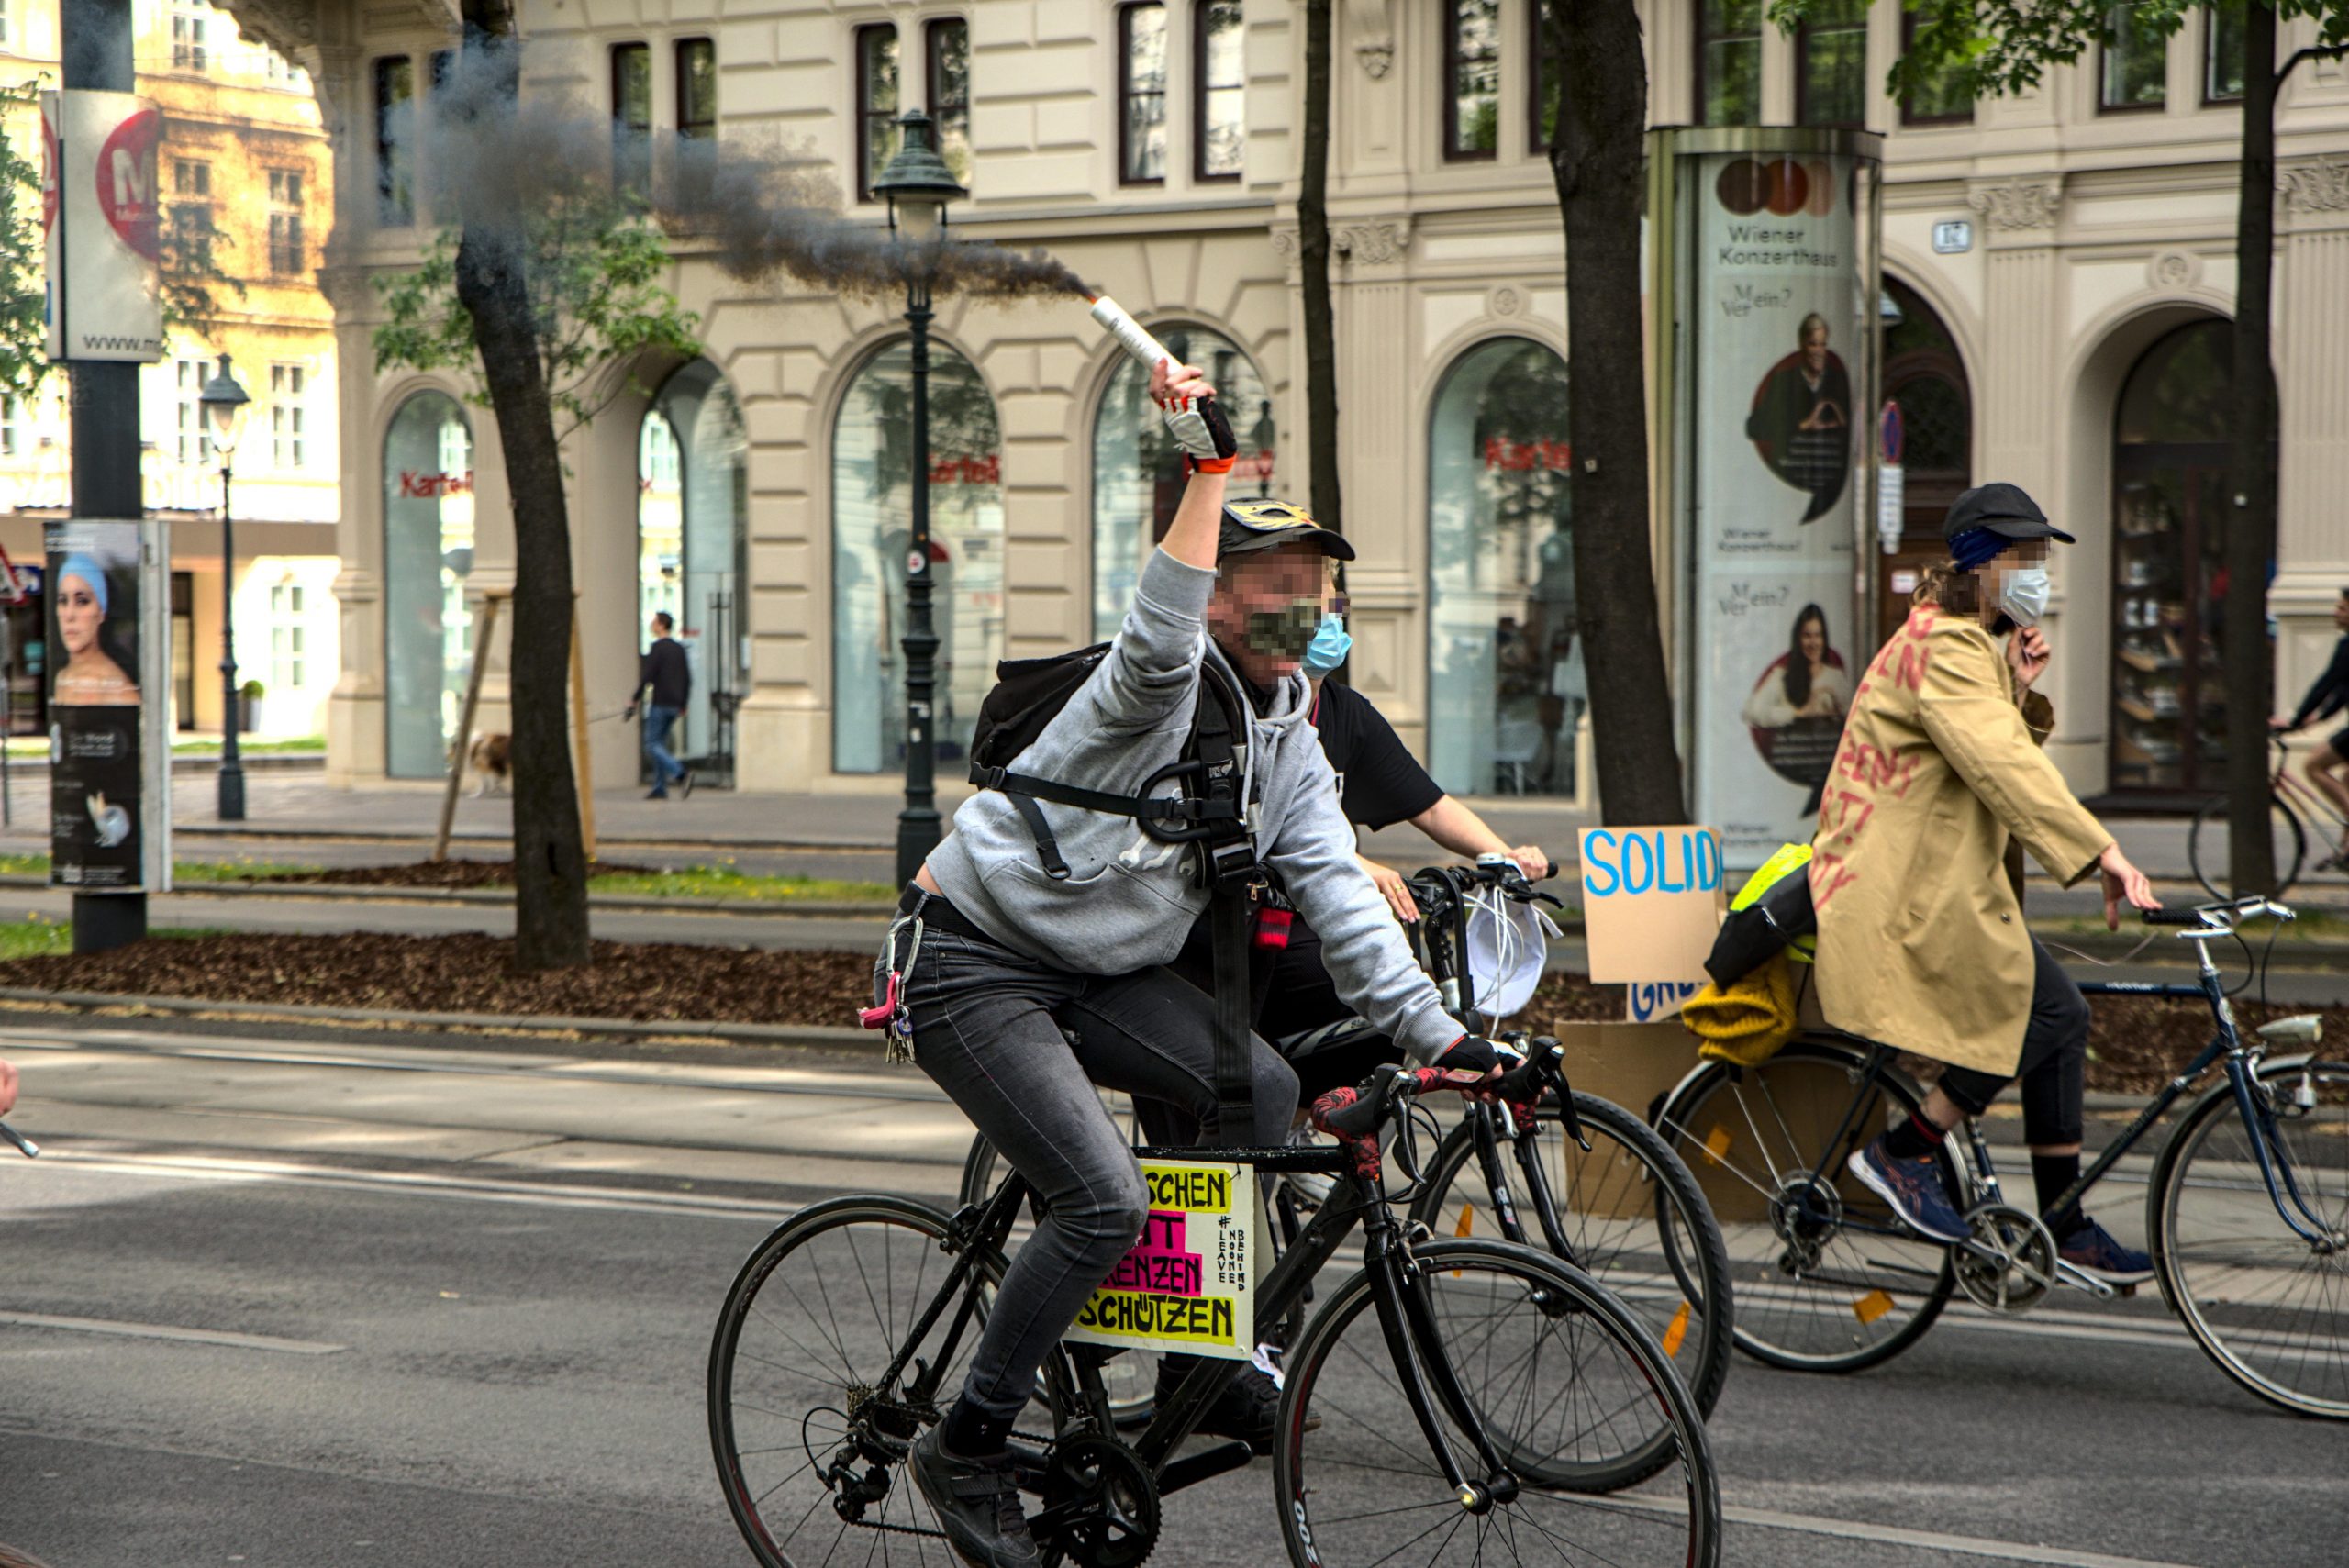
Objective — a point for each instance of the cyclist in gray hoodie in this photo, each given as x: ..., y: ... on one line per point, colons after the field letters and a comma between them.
x: 1027, y: 990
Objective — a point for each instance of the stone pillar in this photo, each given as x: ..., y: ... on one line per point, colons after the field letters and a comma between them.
x: 2313, y: 538
x: 1384, y: 519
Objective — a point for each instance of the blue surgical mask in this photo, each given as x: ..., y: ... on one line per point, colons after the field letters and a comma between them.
x: 1328, y: 647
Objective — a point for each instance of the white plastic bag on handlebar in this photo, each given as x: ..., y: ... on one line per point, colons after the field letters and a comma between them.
x: 1509, y: 942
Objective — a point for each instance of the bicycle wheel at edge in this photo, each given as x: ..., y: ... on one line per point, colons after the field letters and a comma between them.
x: 1810, y: 1298
x: 1634, y: 1217
x: 2205, y: 846
x: 1561, y: 1363
x: 814, y: 1317
x: 2270, y: 1309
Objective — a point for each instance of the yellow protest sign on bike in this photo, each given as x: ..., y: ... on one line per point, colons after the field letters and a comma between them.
x: 1189, y: 1283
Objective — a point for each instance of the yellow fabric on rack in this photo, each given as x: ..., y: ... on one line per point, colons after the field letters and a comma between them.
x: 1746, y: 1024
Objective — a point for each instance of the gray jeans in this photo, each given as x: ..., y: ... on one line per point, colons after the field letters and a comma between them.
x: 1020, y: 1045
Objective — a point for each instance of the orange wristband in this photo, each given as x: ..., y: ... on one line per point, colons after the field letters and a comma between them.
x: 1210, y: 464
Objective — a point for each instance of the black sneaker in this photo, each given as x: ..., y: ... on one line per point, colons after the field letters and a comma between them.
x: 977, y: 1504
x: 1248, y: 1408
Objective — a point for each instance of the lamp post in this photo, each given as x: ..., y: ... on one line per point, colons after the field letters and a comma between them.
x: 917, y: 185
x: 224, y: 401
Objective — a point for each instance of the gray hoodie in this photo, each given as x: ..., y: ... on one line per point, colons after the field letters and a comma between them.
x: 1129, y: 900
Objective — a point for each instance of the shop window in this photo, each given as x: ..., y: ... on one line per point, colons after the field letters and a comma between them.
x: 2222, y: 53
x: 1472, y: 79
x: 395, y: 140
x: 876, y: 103
x: 1141, y: 94
x: 693, y: 551
x: 872, y: 540
x: 1728, y: 62
x: 427, y: 556
x: 696, y: 89
x: 1219, y: 78
x: 1831, y: 65
x: 950, y: 92
x: 2135, y: 62
x: 632, y: 116
x: 1138, y: 472
x: 1942, y: 101
x: 1505, y: 682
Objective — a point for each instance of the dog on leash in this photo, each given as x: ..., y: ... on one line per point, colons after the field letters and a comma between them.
x: 492, y: 760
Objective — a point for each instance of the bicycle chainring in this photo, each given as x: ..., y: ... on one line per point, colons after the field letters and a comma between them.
x: 1100, y: 1505
x: 2008, y: 1263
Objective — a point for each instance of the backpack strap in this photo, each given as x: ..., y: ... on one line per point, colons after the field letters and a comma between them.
x: 1235, y: 1084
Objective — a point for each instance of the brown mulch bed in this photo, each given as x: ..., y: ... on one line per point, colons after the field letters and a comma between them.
x: 443, y: 874
x: 2137, y: 1043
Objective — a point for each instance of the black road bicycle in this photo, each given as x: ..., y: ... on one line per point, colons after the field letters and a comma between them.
x: 1454, y: 1402
x: 2247, y: 1210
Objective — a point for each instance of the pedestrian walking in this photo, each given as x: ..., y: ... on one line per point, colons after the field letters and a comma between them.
x: 663, y: 682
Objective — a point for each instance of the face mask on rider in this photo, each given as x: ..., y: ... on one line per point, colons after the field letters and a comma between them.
x: 1328, y: 647
x: 1284, y: 633
x: 2025, y: 595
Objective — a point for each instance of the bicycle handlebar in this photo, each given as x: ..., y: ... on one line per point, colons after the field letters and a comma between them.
x: 29, y: 1149
x: 2219, y: 918
x: 1353, y: 1115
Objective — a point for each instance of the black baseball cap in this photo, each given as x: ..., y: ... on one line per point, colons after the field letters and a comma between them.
x: 1252, y: 526
x: 2005, y: 510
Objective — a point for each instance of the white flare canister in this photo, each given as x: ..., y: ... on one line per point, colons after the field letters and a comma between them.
x: 1147, y: 350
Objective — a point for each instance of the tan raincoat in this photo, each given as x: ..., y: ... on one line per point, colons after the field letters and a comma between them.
x: 1922, y: 942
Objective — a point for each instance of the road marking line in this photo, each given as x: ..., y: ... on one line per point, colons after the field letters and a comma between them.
x: 164, y: 1331
x: 1933, y: 1540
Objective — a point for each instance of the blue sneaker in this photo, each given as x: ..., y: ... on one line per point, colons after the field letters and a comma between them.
x: 1913, y: 1188
x: 2091, y: 1250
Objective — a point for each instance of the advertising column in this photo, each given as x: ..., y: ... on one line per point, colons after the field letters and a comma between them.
x: 1773, y: 492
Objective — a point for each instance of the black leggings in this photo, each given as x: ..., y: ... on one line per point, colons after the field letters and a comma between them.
x: 2055, y: 1060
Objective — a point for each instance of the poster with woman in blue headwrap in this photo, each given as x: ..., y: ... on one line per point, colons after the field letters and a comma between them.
x: 94, y: 705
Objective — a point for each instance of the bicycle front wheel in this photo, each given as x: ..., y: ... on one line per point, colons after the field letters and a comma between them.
x: 2206, y: 848
x: 800, y: 1418
x: 1827, y: 1278
x: 1573, y: 1390
x: 2270, y: 1306
x: 1632, y: 1217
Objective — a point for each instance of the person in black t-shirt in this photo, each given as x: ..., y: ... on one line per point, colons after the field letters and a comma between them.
x: 2325, y: 764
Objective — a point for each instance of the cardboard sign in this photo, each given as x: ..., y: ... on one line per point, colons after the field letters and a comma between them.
x: 1652, y: 900
x: 99, y: 205
x: 1189, y: 1283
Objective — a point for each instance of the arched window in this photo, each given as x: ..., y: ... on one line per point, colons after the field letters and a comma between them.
x: 1138, y: 473
x: 1505, y: 685
x: 693, y: 545
x: 428, y: 555
x: 872, y: 536
x: 2169, y: 584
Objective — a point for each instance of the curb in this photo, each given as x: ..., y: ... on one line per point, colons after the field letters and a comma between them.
x: 493, y: 835
x: 362, y: 893
x: 493, y: 1023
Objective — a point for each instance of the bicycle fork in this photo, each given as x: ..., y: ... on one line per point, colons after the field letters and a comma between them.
x: 1408, y: 1325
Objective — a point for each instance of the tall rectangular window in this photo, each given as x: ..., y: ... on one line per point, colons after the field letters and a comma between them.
x: 1141, y: 94
x: 1728, y: 62
x: 1548, y: 91
x: 1220, y: 92
x: 1472, y: 78
x: 876, y: 103
x: 285, y: 636
x: 632, y: 116
x: 8, y: 34
x: 192, y: 432
x: 191, y: 22
x: 12, y: 424
x: 2222, y: 53
x: 1831, y: 65
x: 696, y: 89
x: 1943, y: 100
x: 285, y: 442
x: 2135, y: 63
x: 947, y: 56
x: 287, y: 255
x: 395, y: 140
x: 191, y: 177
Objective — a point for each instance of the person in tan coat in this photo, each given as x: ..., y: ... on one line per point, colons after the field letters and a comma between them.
x: 1938, y: 785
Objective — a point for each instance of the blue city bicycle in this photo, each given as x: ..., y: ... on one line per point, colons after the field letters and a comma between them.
x: 2247, y: 1211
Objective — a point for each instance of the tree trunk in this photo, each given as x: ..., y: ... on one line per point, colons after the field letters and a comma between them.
x: 2251, y: 475
x: 1313, y: 262
x: 1597, y: 157
x: 550, y: 865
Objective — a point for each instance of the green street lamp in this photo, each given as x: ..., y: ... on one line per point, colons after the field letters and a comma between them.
x: 917, y: 185
x: 224, y: 403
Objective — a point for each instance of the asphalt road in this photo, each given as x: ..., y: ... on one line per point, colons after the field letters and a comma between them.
x: 280, y: 1298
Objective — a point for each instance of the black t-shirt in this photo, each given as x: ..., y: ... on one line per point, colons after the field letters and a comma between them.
x: 1381, y: 782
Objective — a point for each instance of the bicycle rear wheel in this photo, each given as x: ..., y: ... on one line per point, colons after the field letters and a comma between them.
x: 2270, y: 1308
x: 1575, y: 1391
x: 1827, y: 1279
x: 1631, y: 1216
x: 2206, y: 848
x: 812, y: 1322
